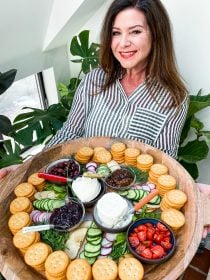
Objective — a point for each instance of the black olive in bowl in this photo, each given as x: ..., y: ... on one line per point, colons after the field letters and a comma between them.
x: 64, y: 167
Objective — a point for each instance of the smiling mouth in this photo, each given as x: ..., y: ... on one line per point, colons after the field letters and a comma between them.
x: 127, y: 54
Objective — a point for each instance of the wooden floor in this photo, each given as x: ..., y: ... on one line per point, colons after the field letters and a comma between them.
x: 199, y: 267
x: 197, y: 270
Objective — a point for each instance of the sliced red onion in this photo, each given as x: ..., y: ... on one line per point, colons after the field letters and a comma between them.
x: 146, y: 188
x: 92, y: 163
x: 151, y: 185
x: 110, y: 236
x: 105, y: 243
x: 106, y: 251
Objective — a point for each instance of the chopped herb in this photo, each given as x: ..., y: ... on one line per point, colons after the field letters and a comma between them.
x: 54, y: 238
x: 141, y: 176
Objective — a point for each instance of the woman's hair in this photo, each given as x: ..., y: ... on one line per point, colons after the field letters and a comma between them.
x: 161, y: 62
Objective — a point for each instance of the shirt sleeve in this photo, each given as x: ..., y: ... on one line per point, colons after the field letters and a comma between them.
x: 74, y: 125
x: 168, y: 140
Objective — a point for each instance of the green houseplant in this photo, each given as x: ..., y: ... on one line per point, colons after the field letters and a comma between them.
x: 45, y: 123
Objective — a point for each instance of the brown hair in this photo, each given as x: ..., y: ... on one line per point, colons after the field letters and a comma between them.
x: 161, y: 64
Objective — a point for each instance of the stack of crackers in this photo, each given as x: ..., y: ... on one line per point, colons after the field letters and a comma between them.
x: 20, y: 204
x: 144, y: 162
x: 25, y: 189
x: 174, y: 218
x: 173, y: 199
x: 118, y: 151
x: 156, y: 171
x: 131, y: 155
x: 56, y: 266
x: 36, y: 255
x: 37, y: 182
x: 79, y: 269
x: 165, y: 183
x: 23, y: 241
x: 18, y: 221
x: 84, y: 154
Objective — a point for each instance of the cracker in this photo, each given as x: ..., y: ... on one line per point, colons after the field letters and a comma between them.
x: 18, y: 221
x: 118, y: 147
x: 105, y: 269
x: 167, y: 181
x: 104, y: 156
x: 56, y: 263
x: 36, y: 255
x: 176, y: 197
x: 79, y: 269
x: 173, y: 217
x: 159, y: 169
x: 20, y: 204
x: 23, y: 240
x: 24, y: 189
x: 35, y: 180
x: 132, y: 152
x: 130, y: 269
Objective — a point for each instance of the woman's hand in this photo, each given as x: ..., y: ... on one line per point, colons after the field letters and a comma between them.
x: 205, y: 189
x: 6, y: 170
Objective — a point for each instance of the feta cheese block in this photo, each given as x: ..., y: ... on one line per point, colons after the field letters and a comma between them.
x: 111, y: 208
x: 86, y: 189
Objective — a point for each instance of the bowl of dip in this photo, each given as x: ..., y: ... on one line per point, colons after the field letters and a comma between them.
x: 88, y: 190
x: 120, y: 179
x: 110, y: 213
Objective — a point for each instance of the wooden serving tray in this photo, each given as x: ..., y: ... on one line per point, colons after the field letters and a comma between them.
x: 196, y: 210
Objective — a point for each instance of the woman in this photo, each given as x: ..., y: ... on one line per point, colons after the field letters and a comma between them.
x: 137, y: 92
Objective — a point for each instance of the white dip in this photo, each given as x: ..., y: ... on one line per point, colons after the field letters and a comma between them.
x: 110, y: 208
x: 86, y: 189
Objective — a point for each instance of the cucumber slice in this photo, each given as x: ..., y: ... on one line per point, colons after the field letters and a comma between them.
x: 96, y: 242
x: 94, y: 232
x: 90, y: 260
x: 155, y: 200
x: 92, y: 238
x: 131, y: 194
x: 123, y: 193
x: 57, y: 203
x: 92, y: 248
x: 137, y: 197
x: 92, y: 255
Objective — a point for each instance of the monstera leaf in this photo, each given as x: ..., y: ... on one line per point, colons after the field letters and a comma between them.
x: 5, y: 125
x: 9, y: 154
x: 89, y: 54
x: 6, y: 79
x: 192, y: 168
x: 42, y: 123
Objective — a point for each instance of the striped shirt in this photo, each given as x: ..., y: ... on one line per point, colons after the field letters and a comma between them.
x: 145, y: 115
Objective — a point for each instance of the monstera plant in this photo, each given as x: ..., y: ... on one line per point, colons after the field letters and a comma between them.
x: 44, y: 123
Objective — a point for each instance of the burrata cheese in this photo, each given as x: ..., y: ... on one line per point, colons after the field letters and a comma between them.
x: 111, y: 208
x: 86, y: 189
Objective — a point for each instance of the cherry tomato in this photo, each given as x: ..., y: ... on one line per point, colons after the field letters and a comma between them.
x: 146, y: 253
x: 142, y: 228
x: 149, y: 225
x: 150, y: 233
x: 134, y: 241
x: 167, y: 239
x: 140, y: 248
x: 166, y: 245
x: 133, y: 234
x: 161, y: 227
x: 158, y: 238
x: 157, y: 251
x: 142, y: 235
x: 147, y: 243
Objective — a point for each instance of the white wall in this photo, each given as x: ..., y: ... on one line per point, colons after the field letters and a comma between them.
x: 191, y: 30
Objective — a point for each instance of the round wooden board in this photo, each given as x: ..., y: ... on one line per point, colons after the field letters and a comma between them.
x: 12, y: 264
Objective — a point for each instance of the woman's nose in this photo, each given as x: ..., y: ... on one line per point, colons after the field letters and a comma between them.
x: 125, y: 41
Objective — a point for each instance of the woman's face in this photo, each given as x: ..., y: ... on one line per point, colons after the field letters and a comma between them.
x: 131, y: 39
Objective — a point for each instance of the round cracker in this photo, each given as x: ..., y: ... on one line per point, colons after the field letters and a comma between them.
x: 130, y: 269
x: 57, y: 262
x: 79, y: 269
x: 104, y: 269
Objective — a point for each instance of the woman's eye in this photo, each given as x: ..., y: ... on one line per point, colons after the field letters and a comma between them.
x: 115, y: 33
x: 136, y: 31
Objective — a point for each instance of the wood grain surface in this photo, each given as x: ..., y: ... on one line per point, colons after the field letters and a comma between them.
x: 12, y: 265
